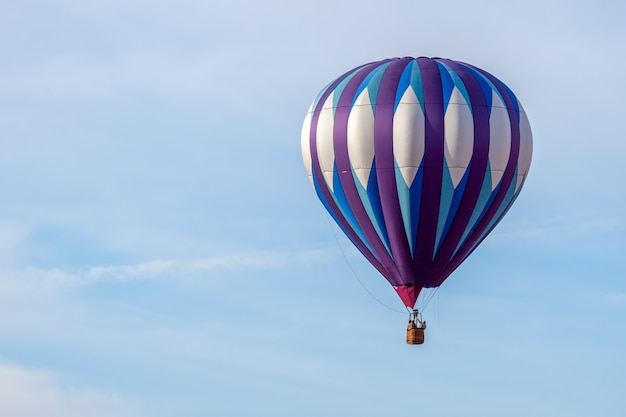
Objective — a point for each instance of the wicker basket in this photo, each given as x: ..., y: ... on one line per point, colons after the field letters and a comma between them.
x: 414, y: 334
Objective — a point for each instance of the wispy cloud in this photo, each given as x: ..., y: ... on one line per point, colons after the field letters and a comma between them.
x: 33, y: 393
x: 617, y: 298
x: 179, y: 267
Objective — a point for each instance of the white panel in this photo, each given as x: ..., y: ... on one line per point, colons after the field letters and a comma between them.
x: 324, y: 138
x: 500, y: 140
x: 526, y: 147
x: 361, y: 137
x: 459, y: 136
x: 408, y: 135
x: 305, y: 144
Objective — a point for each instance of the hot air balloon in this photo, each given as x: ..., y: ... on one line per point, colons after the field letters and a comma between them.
x: 416, y: 160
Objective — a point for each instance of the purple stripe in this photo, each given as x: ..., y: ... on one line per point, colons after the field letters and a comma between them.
x: 317, y: 171
x: 385, y: 169
x: 478, y: 167
x: 508, y: 177
x: 348, y: 184
x: 433, y: 169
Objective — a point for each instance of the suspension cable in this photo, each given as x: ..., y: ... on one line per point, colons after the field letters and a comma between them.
x: 354, y: 272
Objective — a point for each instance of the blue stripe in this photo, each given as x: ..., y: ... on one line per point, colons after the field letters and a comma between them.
x: 512, y: 97
x: 410, y: 199
x: 479, y: 208
x: 485, y: 86
x: 458, y: 82
x: 447, y: 193
x: 416, y: 84
x: 341, y: 86
x: 367, y: 80
x: 370, y: 198
x: 404, y: 198
x: 344, y: 206
x: 454, y: 205
x: 492, y: 89
x: 416, y: 202
x: 404, y: 83
x: 447, y: 85
x: 374, y: 84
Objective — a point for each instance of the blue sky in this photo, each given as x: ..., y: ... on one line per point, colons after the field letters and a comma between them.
x: 162, y: 252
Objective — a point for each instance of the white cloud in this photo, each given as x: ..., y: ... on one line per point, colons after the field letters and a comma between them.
x: 173, y: 267
x: 34, y: 393
x: 617, y: 298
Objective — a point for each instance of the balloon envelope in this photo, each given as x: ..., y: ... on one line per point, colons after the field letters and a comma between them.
x: 417, y: 160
